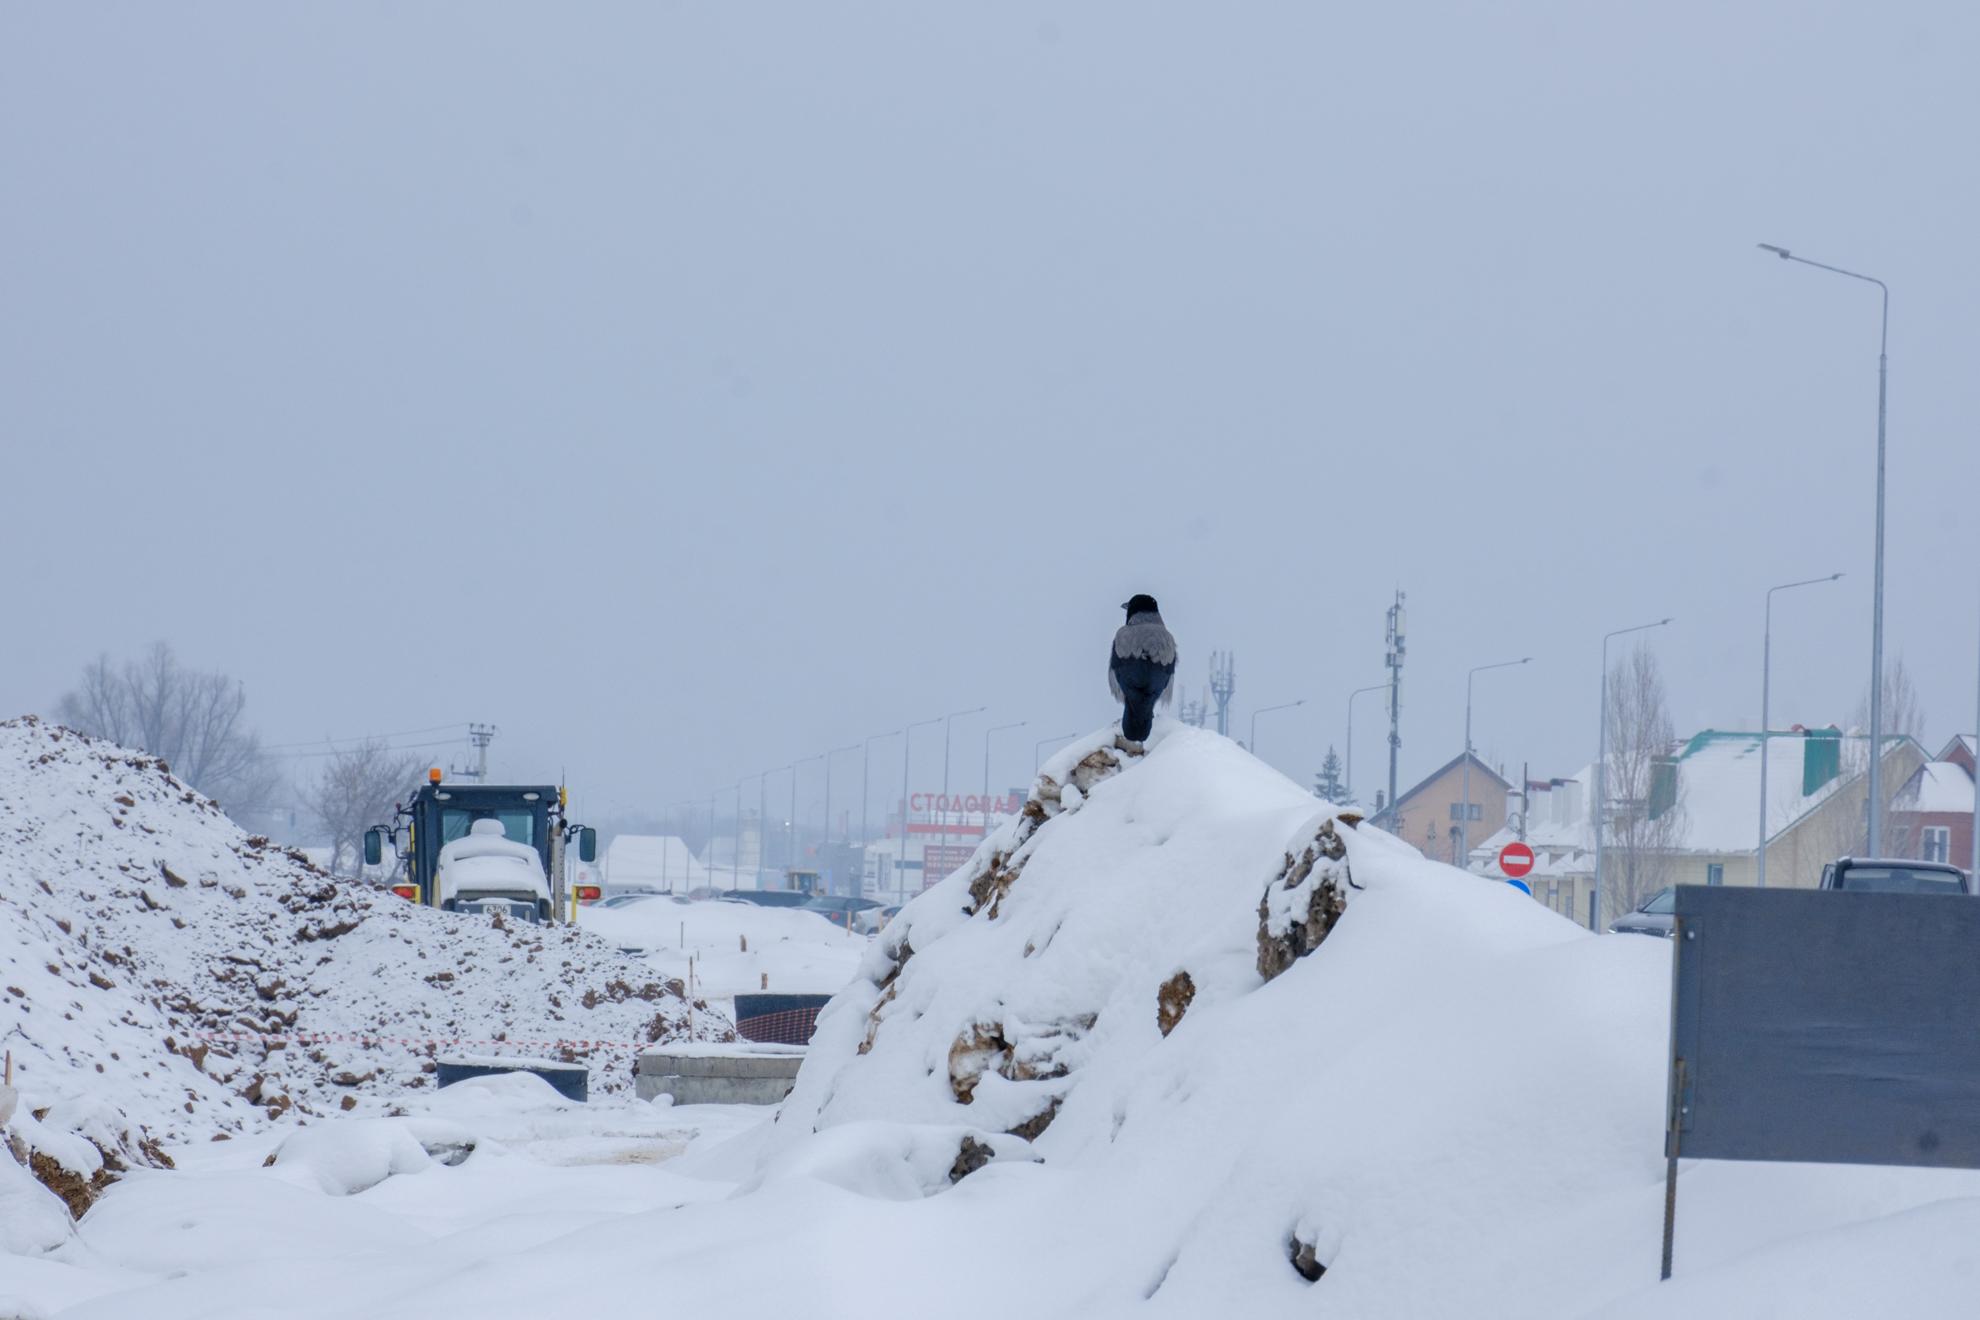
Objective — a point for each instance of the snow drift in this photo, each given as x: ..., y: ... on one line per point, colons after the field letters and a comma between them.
x: 154, y: 959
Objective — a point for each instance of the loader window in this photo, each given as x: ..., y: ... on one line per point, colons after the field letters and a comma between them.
x: 518, y: 825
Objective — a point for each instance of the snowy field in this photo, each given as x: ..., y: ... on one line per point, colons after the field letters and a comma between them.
x: 1177, y: 1042
x: 735, y: 946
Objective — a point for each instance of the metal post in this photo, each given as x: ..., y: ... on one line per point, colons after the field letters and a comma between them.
x: 1876, y: 784
x: 1038, y: 749
x: 1398, y: 647
x: 948, y: 724
x: 1252, y: 747
x: 1766, y: 682
x: 1463, y: 858
x: 1347, y: 786
x: 986, y: 764
x: 907, y: 749
x: 1597, y: 808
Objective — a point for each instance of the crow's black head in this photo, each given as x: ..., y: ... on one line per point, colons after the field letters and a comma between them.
x: 1140, y: 605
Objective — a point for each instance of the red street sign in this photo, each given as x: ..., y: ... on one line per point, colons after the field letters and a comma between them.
x: 1515, y: 860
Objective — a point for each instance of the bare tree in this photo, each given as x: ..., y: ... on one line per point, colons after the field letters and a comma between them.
x: 1645, y: 818
x: 1903, y: 717
x: 356, y: 789
x: 195, y: 720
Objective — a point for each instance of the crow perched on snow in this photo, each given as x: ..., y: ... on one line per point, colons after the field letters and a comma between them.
x: 1143, y: 663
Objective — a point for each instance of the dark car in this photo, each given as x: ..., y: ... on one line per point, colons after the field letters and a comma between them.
x: 1887, y: 875
x: 768, y: 897
x: 1653, y: 918
x: 839, y: 909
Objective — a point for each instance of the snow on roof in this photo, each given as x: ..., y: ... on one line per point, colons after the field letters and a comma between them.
x: 1719, y: 788
x: 1939, y: 786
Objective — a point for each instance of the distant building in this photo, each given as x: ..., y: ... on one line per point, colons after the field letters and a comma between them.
x: 1428, y: 814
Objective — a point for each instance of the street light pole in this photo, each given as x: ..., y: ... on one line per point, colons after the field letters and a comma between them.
x: 948, y: 725
x: 1038, y: 749
x: 1766, y: 678
x: 1463, y: 858
x: 907, y: 750
x: 1267, y: 710
x: 790, y: 826
x: 865, y: 760
x: 1348, y: 786
x: 827, y: 840
x: 1598, y: 809
x: 1877, y: 586
x: 986, y: 763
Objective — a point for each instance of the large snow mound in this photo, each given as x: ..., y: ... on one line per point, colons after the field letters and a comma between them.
x: 165, y: 977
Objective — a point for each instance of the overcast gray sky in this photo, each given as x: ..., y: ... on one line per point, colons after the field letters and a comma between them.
x: 689, y: 387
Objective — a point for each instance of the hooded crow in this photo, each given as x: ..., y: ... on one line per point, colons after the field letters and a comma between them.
x: 1143, y: 663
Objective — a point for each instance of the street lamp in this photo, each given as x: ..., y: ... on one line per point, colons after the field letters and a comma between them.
x: 1284, y: 705
x: 1602, y: 775
x: 1038, y: 749
x: 907, y: 749
x: 865, y: 759
x: 762, y: 823
x: 1877, y: 585
x: 986, y: 763
x: 790, y: 826
x: 1463, y: 858
x: 948, y: 725
x: 836, y: 751
x: 1766, y: 664
x: 1348, y: 787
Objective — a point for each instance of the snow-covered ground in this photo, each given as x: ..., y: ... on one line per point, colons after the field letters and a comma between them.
x: 735, y: 947
x: 1425, y: 1090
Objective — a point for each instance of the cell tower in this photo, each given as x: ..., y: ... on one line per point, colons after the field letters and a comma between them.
x: 1396, y: 649
x: 1223, y: 684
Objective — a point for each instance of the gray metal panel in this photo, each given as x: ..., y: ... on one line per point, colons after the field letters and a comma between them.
x: 1827, y: 1027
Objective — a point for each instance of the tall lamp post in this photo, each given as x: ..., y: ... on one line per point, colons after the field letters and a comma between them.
x: 826, y: 842
x: 948, y: 724
x: 1349, y: 785
x: 1598, y: 811
x: 1252, y: 747
x: 1766, y: 671
x: 1038, y: 749
x: 865, y: 761
x: 986, y: 762
x: 907, y: 749
x: 1877, y: 586
x: 790, y: 826
x: 1464, y: 812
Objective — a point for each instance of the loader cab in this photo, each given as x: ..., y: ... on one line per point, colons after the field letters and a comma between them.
x: 440, y: 813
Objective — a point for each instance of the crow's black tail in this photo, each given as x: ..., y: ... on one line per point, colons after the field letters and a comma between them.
x: 1137, y: 716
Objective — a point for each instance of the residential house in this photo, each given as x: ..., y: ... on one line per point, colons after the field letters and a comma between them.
x: 1429, y: 814
x: 1932, y: 815
x: 1709, y: 789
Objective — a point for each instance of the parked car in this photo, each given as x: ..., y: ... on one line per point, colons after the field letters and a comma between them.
x: 768, y: 897
x: 1888, y: 875
x: 628, y: 900
x: 840, y: 909
x: 1653, y: 918
x: 874, y: 919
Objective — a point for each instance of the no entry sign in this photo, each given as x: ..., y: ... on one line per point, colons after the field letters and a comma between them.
x: 1515, y: 860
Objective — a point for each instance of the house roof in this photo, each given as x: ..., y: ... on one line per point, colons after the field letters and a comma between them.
x: 1477, y: 767
x: 1938, y: 787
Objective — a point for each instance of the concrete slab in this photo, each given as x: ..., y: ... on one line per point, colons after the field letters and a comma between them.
x: 697, y: 1075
